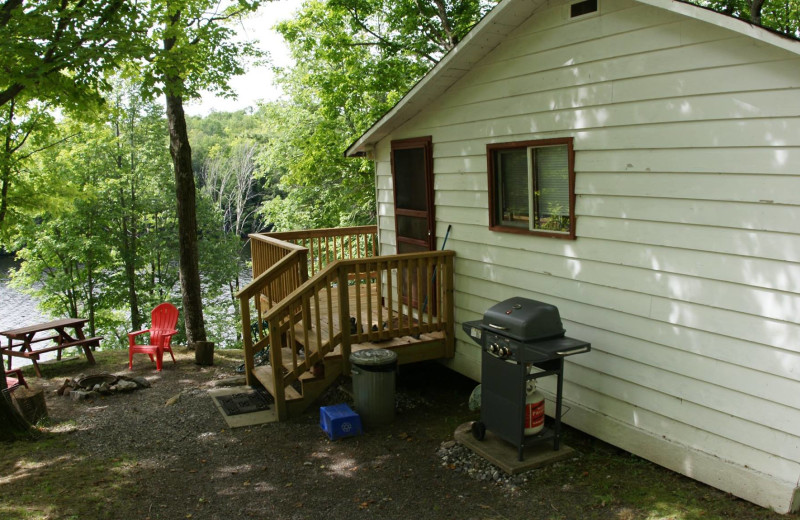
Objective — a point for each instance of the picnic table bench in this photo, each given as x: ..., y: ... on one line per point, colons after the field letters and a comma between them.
x: 27, y: 344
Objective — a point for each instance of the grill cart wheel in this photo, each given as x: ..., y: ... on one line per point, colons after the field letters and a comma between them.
x: 478, y: 430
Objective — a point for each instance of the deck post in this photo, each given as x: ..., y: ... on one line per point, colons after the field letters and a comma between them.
x: 344, y: 318
x: 303, y: 267
x: 249, y: 363
x: 276, y: 361
x: 303, y: 263
x: 449, y: 333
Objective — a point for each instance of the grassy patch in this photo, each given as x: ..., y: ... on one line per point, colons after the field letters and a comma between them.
x: 631, y: 488
x: 48, y: 479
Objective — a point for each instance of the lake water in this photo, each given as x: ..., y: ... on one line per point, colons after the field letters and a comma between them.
x: 16, y: 309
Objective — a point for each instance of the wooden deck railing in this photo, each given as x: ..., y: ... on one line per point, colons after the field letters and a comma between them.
x: 267, y: 289
x: 348, y: 302
x: 311, y: 250
x: 268, y: 252
x: 330, y: 244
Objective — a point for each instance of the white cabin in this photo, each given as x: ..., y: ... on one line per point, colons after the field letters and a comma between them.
x: 653, y: 148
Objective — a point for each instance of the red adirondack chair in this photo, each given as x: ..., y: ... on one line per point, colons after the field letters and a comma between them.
x: 163, y: 320
x: 14, y: 379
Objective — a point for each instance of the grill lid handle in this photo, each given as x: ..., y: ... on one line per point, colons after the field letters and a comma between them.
x: 498, y: 327
x: 578, y: 350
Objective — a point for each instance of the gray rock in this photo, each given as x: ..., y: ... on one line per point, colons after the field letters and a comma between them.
x: 142, y: 382
x: 475, y: 399
x: 126, y: 386
x: 230, y: 381
x: 80, y: 395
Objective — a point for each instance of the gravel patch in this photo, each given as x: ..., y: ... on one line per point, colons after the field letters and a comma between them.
x: 462, y: 460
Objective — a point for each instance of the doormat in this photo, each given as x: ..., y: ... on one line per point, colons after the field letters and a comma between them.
x: 237, y: 404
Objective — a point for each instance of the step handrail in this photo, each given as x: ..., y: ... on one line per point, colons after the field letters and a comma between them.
x: 293, y: 268
x: 282, y: 266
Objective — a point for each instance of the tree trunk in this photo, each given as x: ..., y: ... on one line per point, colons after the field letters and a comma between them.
x: 5, y: 165
x: 12, y: 425
x: 128, y: 233
x: 204, y: 353
x: 187, y: 219
x: 755, y: 11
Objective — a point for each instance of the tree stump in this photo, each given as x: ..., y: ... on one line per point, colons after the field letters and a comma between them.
x: 31, y: 403
x: 204, y: 352
x: 13, y: 425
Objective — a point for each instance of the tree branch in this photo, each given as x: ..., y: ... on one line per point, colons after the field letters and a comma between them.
x: 50, y: 145
x: 6, y: 10
x: 382, y: 41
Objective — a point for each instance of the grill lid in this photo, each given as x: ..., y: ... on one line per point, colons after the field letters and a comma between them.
x: 524, y: 320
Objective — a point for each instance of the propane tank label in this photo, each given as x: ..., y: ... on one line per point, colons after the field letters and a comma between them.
x: 534, y: 415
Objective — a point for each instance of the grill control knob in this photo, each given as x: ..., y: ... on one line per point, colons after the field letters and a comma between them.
x: 494, y: 348
x: 505, y: 352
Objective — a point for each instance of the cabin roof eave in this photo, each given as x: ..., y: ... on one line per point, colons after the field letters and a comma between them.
x: 490, y: 32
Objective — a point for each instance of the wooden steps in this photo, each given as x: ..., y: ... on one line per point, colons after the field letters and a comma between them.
x: 311, y: 387
x: 408, y: 349
x: 265, y: 376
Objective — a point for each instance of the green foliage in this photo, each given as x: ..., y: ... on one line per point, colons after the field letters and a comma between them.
x: 189, y: 46
x: 58, y: 51
x: 111, y: 253
x: 355, y: 59
x: 224, y: 150
x: 217, y: 133
x: 105, y: 249
x: 27, y: 128
x: 321, y: 187
x: 781, y: 16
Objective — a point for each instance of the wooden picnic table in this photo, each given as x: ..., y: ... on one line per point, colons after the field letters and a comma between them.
x: 27, y: 344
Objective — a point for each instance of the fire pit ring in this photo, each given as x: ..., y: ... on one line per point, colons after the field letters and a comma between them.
x: 89, y: 382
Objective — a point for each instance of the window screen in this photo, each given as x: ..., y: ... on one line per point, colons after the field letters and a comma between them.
x: 552, y: 177
x: 531, y: 183
x: 513, y: 188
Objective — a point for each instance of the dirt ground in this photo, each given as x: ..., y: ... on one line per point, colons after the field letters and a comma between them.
x: 133, y: 456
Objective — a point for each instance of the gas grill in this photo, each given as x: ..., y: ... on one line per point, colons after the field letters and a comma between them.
x: 520, y: 340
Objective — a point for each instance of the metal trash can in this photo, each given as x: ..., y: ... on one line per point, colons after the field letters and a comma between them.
x: 373, y: 385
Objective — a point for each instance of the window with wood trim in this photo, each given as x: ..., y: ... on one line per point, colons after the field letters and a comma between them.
x: 532, y: 187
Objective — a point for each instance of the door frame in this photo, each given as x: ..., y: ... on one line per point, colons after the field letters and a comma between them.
x: 426, y: 143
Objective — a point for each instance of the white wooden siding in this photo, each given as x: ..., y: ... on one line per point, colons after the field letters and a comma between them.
x: 685, y: 275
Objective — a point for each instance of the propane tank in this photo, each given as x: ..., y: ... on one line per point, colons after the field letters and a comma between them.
x: 534, y: 409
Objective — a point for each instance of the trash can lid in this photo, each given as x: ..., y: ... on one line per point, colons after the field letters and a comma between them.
x: 378, y: 356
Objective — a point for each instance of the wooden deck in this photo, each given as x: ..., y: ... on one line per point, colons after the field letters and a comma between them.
x: 353, y: 301
x: 368, y: 312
